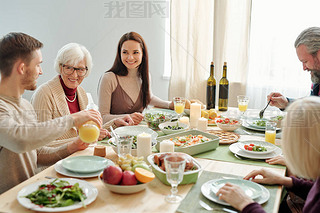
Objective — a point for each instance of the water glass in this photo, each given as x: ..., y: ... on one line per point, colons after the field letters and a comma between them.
x: 175, y: 165
x: 270, y: 135
x: 124, y: 145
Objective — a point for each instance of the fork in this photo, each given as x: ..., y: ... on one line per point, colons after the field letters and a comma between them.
x: 209, y: 208
x: 262, y: 111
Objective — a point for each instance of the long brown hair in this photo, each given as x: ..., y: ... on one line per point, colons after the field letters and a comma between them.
x: 119, y: 68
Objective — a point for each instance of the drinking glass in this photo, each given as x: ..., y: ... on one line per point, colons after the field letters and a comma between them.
x: 124, y: 144
x: 175, y: 166
x: 271, y: 128
x: 179, y: 103
x: 243, y: 102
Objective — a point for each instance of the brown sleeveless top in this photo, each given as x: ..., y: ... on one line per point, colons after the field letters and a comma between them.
x: 121, y: 103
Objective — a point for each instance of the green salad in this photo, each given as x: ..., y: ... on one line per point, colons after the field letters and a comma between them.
x: 261, y: 123
x: 58, y: 193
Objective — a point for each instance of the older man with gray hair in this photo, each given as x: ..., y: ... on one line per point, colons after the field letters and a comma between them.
x: 307, y: 47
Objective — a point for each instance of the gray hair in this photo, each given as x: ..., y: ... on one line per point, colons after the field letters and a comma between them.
x: 72, y: 54
x: 310, y: 38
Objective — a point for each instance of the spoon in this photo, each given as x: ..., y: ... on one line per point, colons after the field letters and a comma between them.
x: 113, y: 133
x: 262, y: 111
x: 209, y: 208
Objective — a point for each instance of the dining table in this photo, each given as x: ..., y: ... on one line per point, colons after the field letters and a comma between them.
x: 152, y: 199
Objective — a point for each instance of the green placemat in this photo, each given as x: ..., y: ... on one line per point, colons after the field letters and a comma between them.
x: 222, y: 153
x: 191, y: 202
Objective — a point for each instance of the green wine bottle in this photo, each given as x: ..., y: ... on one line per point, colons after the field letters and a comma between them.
x: 223, y: 90
x: 211, y: 89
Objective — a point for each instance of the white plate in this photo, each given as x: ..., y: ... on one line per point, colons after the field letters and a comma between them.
x: 251, y: 121
x: 90, y: 191
x: 270, y: 147
x: 163, y: 111
x: 85, y: 164
x: 251, y: 189
x: 61, y: 170
x: 234, y: 148
x: 208, y: 193
x: 246, y: 125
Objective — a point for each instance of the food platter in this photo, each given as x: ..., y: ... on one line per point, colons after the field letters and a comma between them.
x: 173, y: 114
x: 225, y: 137
x: 249, y: 125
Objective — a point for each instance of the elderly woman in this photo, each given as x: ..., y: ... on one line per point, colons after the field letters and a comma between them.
x: 125, y: 89
x: 301, y: 148
x: 63, y: 95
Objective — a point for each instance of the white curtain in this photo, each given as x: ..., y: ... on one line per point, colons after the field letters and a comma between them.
x: 274, y: 65
x: 205, y: 31
x: 191, y: 47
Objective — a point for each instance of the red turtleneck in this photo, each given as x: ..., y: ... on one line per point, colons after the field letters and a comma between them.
x: 70, y: 93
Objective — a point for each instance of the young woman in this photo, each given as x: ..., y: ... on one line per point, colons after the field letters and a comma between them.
x: 125, y: 88
x: 301, y: 148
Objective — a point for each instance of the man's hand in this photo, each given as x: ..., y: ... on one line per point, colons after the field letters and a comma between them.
x: 83, y: 116
x: 277, y: 100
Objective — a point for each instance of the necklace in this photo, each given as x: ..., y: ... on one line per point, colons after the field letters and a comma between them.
x: 75, y: 96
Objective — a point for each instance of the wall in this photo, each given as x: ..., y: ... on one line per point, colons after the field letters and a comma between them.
x: 90, y: 23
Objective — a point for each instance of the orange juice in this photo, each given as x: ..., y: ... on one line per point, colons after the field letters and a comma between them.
x: 242, y: 107
x: 179, y: 108
x: 89, y: 132
x: 270, y: 137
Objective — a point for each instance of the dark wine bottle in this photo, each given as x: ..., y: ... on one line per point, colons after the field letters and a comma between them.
x: 211, y: 89
x: 223, y: 90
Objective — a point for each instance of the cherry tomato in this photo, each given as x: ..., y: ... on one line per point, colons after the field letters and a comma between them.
x: 251, y: 144
x: 246, y: 147
x: 227, y: 120
x: 250, y: 148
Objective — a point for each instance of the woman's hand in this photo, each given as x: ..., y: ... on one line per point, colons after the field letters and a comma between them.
x: 276, y: 160
x: 103, y: 133
x: 137, y: 117
x: 77, y: 145
x: 268, y: 177
x: 234, y: 195
x: 125, y: 121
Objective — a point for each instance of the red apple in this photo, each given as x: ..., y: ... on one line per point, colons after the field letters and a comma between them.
x: 128, y: 178
x: 112, y: 175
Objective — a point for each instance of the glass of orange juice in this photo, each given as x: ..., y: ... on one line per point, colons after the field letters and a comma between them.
x: 243, y: 102
x: 270, y: 134
x: 89, y: 132
x: 179, y: 103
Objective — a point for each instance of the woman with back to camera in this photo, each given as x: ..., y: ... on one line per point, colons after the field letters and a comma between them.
x: 301, y: 148
x: 125, y: 88
x: 63, y: 94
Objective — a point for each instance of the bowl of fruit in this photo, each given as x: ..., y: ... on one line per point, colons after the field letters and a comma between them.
x: 154, y: 119
x: 131, y: 176
x: 228, y: 124
x: 172, y: 127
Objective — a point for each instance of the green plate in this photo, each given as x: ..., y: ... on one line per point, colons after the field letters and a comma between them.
x: 194, y: 149
x: 85, y: 164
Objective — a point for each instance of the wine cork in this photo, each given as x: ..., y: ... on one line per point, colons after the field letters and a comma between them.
x: 99, y: 150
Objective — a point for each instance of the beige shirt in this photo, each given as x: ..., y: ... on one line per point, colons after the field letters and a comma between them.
x: 131, y: 84
x: 21, y: 135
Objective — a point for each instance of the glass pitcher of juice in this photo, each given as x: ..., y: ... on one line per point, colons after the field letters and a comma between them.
x: 89, y: 132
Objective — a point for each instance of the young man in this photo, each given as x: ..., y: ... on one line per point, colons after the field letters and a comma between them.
x: 22, y: 138
x: 307, y: 47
